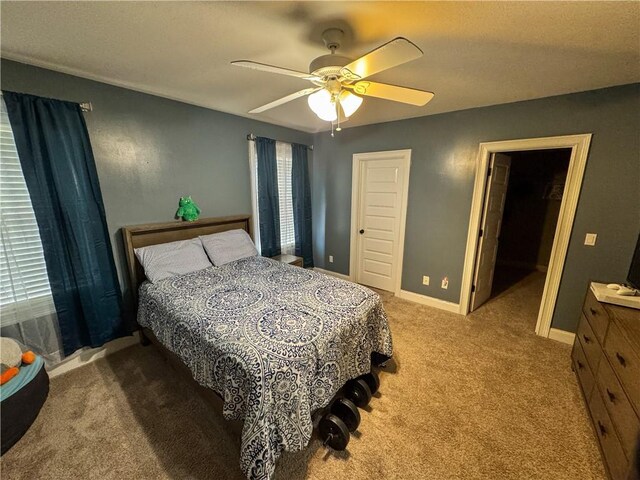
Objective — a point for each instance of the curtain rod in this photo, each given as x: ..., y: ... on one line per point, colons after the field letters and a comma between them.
x: 84, y: 106
x: 252, y: 138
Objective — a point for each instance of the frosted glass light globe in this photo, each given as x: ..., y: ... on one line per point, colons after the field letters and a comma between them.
x: 349, y: 102
x: 321, y: 104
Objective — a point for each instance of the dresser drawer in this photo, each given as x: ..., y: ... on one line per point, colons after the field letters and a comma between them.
x: 611, y: 448
x: 625, y: 363
x: 620, y: 411
x: 596, y: 314
x: 590, y: 345
x: 582, y: 369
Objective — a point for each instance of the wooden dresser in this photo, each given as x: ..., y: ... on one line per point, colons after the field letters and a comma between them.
x: 606, y: 359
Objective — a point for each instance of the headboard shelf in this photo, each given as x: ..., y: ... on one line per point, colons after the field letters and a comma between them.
x: 137, y: 236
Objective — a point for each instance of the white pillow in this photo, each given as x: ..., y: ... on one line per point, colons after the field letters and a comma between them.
x: 173, y: 258
x: 228, y: 246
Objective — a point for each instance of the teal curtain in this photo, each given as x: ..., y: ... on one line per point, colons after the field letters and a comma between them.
x: 268, y: 197
x: 60, y: 172
x: 301, y: 193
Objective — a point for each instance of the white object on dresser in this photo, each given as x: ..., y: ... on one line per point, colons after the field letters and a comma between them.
x: 607, y: 295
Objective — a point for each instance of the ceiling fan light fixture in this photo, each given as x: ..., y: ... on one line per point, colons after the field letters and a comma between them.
x: 349, y: 102
x: 341, y: 83
x: 322, y: 104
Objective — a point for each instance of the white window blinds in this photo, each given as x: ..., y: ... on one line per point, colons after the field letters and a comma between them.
x: 284, y: 161
x: 287, y: 232
x: 23, y: 272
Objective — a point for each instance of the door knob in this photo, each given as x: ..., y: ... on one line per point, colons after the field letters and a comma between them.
x: 361, y: 231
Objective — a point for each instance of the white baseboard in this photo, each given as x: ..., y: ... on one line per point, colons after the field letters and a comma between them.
x: 88, y: 355
x: 333, y: 274
x: 561, y: 336
x: 429, y: 301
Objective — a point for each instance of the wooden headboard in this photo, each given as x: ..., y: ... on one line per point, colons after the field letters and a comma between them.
x: 155, y: 233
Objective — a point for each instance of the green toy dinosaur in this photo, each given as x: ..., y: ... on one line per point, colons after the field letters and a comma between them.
x: 188, y: 210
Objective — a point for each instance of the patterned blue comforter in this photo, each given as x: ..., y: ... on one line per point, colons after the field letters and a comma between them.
x: 275, y: 341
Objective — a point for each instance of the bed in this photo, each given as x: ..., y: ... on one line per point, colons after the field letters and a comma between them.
x: 275, y: 342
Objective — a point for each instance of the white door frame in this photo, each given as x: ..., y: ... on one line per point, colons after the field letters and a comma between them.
x: 358, y: 158
x: 579, y: 145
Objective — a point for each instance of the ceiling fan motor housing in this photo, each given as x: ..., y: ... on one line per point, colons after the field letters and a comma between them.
x: 328, y: 65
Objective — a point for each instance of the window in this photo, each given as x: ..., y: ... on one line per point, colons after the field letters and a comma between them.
x: 287, y: 232
x: 24, y: 283
x: 285, y: 161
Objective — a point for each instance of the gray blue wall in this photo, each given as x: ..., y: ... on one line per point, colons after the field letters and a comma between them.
x: 149, y: 150
x: 444, y: 149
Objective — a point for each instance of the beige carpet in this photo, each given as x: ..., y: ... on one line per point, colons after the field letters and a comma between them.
x: 480, y: 397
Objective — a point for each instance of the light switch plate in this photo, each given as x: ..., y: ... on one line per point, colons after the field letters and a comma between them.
x: 425, y: 280
x: 590, y: 239
x: 330, y: 258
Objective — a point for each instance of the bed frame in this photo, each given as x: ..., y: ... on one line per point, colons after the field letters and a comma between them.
x: 156, y: 233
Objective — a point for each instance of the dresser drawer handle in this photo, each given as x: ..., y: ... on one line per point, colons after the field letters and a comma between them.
x: 586, y: 339
x: 602, y: 428
x: 612, y: 396
x: 593, y: 311
x: 621, y: 359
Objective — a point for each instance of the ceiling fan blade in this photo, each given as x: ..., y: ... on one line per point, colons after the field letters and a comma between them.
x: 273, y: 69
x: 391, y: 54
x: 283, y: 100
x: 411, y: 96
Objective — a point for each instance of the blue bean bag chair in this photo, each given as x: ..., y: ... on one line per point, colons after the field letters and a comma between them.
x: 21, y: 399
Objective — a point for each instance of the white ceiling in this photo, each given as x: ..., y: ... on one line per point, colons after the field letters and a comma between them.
x: 475, y: 53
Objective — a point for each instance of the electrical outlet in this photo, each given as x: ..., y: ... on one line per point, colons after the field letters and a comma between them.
x: 590, y: 239
x: 425, y: 280
x: 445, y: 282
x: 330, y: 258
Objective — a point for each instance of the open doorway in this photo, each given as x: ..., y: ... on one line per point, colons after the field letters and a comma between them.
x: 492, y: 175
x: 534, y: 192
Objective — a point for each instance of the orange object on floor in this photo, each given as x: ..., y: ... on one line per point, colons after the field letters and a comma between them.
x: 8, y: 375
x: 28, y: 357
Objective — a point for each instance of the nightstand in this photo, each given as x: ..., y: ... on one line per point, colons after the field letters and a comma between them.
x: 290, y: 259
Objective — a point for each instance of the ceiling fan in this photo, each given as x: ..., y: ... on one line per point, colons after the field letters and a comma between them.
x: 340, y: 83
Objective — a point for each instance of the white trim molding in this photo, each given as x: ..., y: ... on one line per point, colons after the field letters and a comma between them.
x: 579, y: 145
x: 429, y: 301
x: 405, y: 294
x: 561, y: 336
x: 89, y: 355
x: 333, y: 274
x: 358, y: 158
x: 253, y: 175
